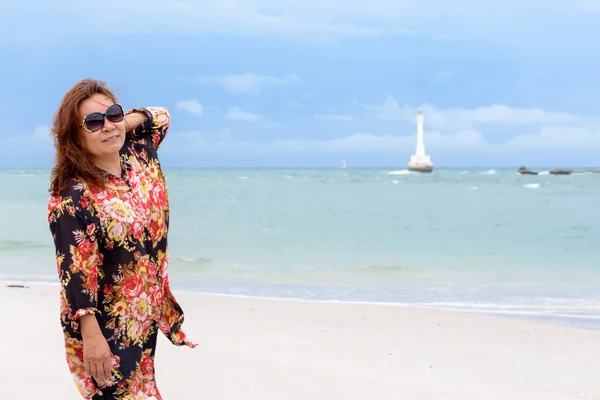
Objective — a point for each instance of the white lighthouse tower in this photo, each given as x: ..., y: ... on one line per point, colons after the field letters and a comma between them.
x: 420, y: 161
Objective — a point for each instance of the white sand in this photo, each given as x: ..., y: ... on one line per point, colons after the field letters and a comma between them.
x: 287, y: 350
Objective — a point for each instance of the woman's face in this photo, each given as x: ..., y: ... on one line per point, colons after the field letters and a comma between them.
x: 107, y: 134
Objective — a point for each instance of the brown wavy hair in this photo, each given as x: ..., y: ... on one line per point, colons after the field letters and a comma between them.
x: 72, y: 160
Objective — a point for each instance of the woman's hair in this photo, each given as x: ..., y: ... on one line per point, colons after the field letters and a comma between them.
x: 72, y: 160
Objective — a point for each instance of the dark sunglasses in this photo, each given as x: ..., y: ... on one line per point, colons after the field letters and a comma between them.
x: 95, y: 121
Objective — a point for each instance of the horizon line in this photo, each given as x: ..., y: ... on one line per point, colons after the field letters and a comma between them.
x: 395, y: 167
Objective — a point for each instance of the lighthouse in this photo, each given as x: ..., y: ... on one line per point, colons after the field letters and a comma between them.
x: 420, y: 161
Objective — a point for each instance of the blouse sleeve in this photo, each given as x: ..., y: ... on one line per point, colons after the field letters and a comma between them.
x: 155, y: 127
x: 77, y: 256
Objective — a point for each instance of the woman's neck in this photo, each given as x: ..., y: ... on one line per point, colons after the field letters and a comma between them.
x: 111, y: 164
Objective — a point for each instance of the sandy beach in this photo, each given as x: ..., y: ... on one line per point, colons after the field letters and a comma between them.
x: 254, y: 348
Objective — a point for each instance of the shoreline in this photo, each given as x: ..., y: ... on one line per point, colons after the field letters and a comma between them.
x: 273, y: 349
x: 563, y: 320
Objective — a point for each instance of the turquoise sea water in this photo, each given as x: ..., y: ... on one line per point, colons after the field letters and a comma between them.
x: 486, y: 241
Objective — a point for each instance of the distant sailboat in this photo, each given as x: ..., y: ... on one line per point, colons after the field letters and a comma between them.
x: 343, y: 165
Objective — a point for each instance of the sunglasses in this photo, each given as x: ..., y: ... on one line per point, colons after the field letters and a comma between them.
x: 95, y: 121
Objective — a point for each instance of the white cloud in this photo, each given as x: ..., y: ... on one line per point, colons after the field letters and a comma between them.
x: 247, y: 82
x: 592, y: 6
x: 553, y: 137
x: 533, y: 128
x: 39, y: 145
x: 450, y: 130
x: 386, y: 143
x: 40, y: 138
x: 242, y: 17
x: 314, y: 20
x: 237, y: 114
x: 461, y: 118
x: 192, y: 106
x: 463, y: 142
x: 354, y: 143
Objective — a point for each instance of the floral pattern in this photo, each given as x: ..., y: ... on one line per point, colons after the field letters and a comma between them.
x: 112, y: 261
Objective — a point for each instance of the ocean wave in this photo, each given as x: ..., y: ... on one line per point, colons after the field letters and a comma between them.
x: 577, y: 313
x: 203, y: 264
x: 570, y: 313
x: 195, y: 260
x: 379, y: 270
x: 18, y: 245
x: 195, y: 265
x: 400, y: 172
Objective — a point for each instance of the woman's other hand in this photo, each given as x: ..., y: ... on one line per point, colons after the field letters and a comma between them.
x: 96, y: 352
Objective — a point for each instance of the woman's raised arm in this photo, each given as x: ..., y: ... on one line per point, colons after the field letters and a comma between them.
x: 153, y: 122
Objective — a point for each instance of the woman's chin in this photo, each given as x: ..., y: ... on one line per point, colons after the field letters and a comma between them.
x: 115, y: 144
x: 110, y: 151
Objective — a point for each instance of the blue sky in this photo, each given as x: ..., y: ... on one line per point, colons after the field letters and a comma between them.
x: 307, y: 83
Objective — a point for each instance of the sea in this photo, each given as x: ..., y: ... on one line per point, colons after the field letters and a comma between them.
x: 486, y: 241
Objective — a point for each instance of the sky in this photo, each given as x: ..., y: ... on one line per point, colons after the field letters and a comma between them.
x: 266, y: 83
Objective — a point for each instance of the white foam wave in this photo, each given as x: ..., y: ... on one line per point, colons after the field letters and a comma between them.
x: 400, y: 172
x: 532, y: 186
x: 586, y: 312
x: 490, y: 172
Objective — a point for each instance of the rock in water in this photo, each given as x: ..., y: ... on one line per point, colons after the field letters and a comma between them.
x: 557, y: 171
x: 526, y: 171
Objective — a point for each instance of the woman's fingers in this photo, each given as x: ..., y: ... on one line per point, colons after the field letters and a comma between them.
x: 100, y: 375
x: 99, y: 369
x: 88, y: 367
x: 106, y: 368
x: 94, y: 370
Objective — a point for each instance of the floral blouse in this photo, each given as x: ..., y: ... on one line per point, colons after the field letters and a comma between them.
x: 112, y: 261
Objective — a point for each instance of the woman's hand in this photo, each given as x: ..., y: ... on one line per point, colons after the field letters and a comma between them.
x: 134, y: 119
x: 96, y: 352
x: 96, y: 357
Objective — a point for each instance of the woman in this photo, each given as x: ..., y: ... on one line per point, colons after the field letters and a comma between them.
x: 109, y: 216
